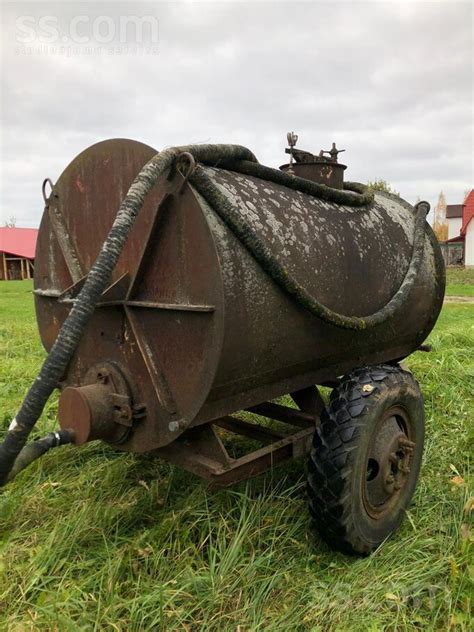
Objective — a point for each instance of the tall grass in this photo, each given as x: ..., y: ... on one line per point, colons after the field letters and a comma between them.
x: 95, y: 540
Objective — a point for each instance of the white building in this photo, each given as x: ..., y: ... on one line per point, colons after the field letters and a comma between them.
x: 467, y: 230
x: 454, y: 219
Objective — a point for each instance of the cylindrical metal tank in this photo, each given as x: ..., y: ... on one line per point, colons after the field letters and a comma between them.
x: 191, y: 322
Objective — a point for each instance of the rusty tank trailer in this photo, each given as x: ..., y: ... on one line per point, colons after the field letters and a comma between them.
x: 231, y: 285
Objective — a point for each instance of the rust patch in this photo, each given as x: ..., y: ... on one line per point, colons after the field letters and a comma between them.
x: 80, y: 184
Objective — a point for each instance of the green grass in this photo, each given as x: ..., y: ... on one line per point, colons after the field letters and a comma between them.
x: 460, y: 276
x: 460, y: 290
x: 94, y: 540
x: 460, y: 281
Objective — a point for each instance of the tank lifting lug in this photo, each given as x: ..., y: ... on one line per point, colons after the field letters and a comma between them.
x: 183, y: 168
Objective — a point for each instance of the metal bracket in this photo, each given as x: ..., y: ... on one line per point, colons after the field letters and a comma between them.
x: 201, y: 450
x: 182, y: 169
x: 43, y: 190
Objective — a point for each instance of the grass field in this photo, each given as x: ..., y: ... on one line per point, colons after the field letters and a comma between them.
x: 460, y: 282
x: 94, y: 540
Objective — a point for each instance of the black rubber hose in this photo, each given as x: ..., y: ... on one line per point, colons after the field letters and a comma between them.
x: 354, y: 194
x: 257, y: 247
x: 35, y: 449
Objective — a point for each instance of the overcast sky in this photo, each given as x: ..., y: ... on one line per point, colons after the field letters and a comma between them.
x: 391, y: 82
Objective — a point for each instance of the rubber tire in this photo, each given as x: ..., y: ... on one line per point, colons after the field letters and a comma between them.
x: 338, y: 460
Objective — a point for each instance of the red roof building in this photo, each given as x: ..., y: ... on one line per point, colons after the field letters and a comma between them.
x: 459, y: 249
x: 17, y: 253
x: 468, y: 211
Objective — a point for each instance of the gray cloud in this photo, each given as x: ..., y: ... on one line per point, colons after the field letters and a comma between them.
x: 391, y: 82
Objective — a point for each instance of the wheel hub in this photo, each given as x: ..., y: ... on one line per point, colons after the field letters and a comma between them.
x: 397, y: 465
x: 388, y: 465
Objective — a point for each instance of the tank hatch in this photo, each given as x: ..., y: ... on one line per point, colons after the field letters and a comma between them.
x: 322, y: 168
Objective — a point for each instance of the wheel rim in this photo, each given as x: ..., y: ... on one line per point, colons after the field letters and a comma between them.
x: 388, y: 462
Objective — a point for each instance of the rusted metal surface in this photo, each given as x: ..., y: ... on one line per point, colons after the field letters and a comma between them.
x: 157, y: 320
x: 353, y: 261
x: 201, y: 450
x: 99, y: 409
x: 318, y: 168
x: 329, y: 173
x: 250, y: 430
x: 196, y: 327
x: 283, y: 413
